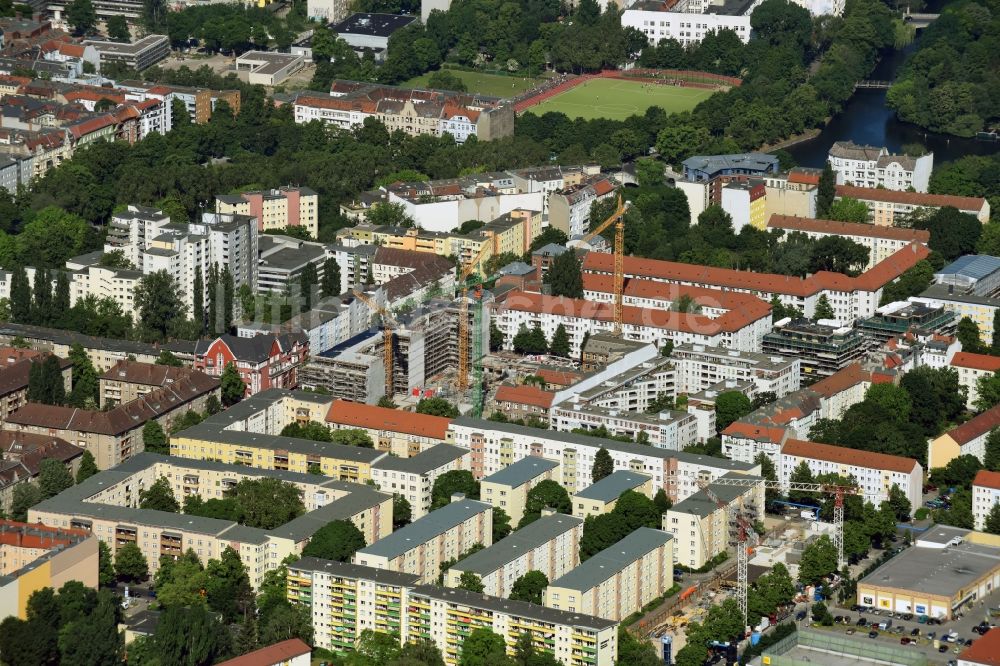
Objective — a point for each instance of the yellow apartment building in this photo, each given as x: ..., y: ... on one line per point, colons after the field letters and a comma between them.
x: 602, y: 497
x: 508, y: 488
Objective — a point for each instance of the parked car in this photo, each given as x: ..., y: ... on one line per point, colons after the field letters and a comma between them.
x: 943, y: 648
x: 872, y: 634
x: 861, y: 622
x: 850, y: 632
x: 908, y: 616
x: 904, y: 641
x: 801, y: 615
x: 915, y: 632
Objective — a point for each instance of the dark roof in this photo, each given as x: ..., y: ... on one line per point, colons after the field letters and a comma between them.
x: 376, y: 25
x: 148, y: 374
x: 256, y: 349
x: 14, y: 377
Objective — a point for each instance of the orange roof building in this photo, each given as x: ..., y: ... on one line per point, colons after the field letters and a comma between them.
x: 984, y: 651
x: 966, y: 439
x: 985, y: 495
x: 402, y: 433
x: 884, y: 205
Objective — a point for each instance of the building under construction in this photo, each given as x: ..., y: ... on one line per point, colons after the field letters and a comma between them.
x: 425, y: 356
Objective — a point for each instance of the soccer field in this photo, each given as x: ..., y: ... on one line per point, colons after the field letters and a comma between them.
x: 484, y: 84
x: 616, y: 99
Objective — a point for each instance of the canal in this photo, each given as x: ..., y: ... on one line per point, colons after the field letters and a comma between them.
x: 866, y: 120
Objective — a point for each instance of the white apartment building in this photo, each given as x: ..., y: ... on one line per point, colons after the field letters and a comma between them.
x: 971, y: 368
x: 275, y: 208
x: 441, y: 535
x: 885, y: 206
x: 550, y: 179
x: 702, y: 529
x: 698, y: 368
x: 550, y: 544
x: 413, y: 478
x: 496, y: 445
x: 569, y: 209
x: 620, y: 579
x: 117, y: 284
x: 882, y: 242
x: 671, y: 430
x: 689, y: 20
x: 875, y: 473
x: 985, y: 494
x: 868, y: 166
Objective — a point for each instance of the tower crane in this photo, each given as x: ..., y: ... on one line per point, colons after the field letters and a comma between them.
x: 389, y: 323
x: 617, y: 219
x: 748, y: 535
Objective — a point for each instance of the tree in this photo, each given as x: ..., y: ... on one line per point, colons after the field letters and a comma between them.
x: 819, y: 559
x: 168, y: 358
x: 20, y: 296
x: 449, y: 483
x: 729, y: 407
x: 988, y: 392
x: 992, y: 524
x: 352, y: 437
x: 53, y: 478
x: 232, y: 385
x: 826, y: 191
x: 198, y: 304
x: 337, y: 540
x: 212, y: 405
x: 312, y: 430
x: 801, y: 474
x: 529, y: 587
x: 565, y: 276
x: 45, y: 381
x: 94, y: 639
x: 266, y: 503
x: 228, y: 590
x: 308, y: 282
x: 953, y: 233
x: 959, y: 471
x: 530, y: 342
x: 846, y: 209
x: 497, y: 337
x: 471, y: 582
x: 25, y: 496
x: 402, y: 512
x: 545, y: 494
x: 483, y: 647
x: 437, y: 407
x: 118, y: 29
x: 330, y: 284
x: 893, y: 399
x: 82, y: 16
x: 159, y: 496
x: 190, y: 636
x: 662, y: 502
x: 158, y: 302
x: 86, y: 385
x: 154, y: 439
x: 991, y: 457
x: 130, y: 564
x: 603, y: 465
x: 968, y: 335
x: 560, y: 342
x: 823, y: 309
x: 501, y: 524
x: 105, y: 565
x: 900, y: 504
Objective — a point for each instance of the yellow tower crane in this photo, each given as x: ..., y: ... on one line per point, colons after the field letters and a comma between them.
x: 617, y: 219
x: 464, y: 283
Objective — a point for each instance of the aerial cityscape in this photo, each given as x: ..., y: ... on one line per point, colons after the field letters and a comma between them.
x: 499, y: 332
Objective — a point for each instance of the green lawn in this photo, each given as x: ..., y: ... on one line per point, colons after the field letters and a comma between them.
x: 616, y: 99
x: 484, y: 84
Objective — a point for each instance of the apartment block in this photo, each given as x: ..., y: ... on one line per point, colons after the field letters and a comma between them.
x: 347, y: 599
x: 413, y: 478
x: 420, y: 547
x: 903, y: 319
x: 850, y: 297
x: 569, y: 208
x: 106, y: 505
x: 138, y: 55
x: 619, y: 580
x: 497, y: 445
x: 885, y: 206
x: 985, y: 494
x: 248, y: 433
x: 699, y: 368
x: 980, y: 309
x: 401, y: 433
x: 875, y: 473
x: 198, y: 102
x: 550, y: 544
x: 746, y: 203
x: 702, y: 529
x: 35, y: 556
x: 447, y: 616
x: 15, y: 372
x: 882, y: 242
x: 508, y: 488
x: 130, y: 380
x: 668, y: 429
x: 602, y: 496
x: 868, y: 166
x: 822, y: 348
x: 977, y: 274
x: 688, y: 21
x: 263, y: 361
x: 23, y: 455
x: 274, y: 209
x: 968, y: 439
x: 971, y: 368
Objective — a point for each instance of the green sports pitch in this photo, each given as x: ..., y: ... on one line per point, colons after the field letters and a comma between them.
x: 617, y: 99
x: 496, y: 85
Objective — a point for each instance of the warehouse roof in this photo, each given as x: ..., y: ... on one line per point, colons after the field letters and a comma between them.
x: 936, y: 571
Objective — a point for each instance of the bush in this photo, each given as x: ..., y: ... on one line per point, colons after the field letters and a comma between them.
x: 921, y: 513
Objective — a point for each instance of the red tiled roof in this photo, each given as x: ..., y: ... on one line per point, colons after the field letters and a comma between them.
x: 92, y: 125
x: 976, y: 427
x: 558, y: 377
x: 804, y: 176
x: 841, y: 380
x: 525, y: 395
x: 845, y: 456
x: 985, y: 650
x: 72, y: 50
x: 360, y: 415
x: 670, y: 320
x: 272, y: 655
x: 911, y: 198
x: 987, y: 479
x: 876, y: 277
x: 755, y: 432
x: 794, y: 223
x: 976, y: 361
